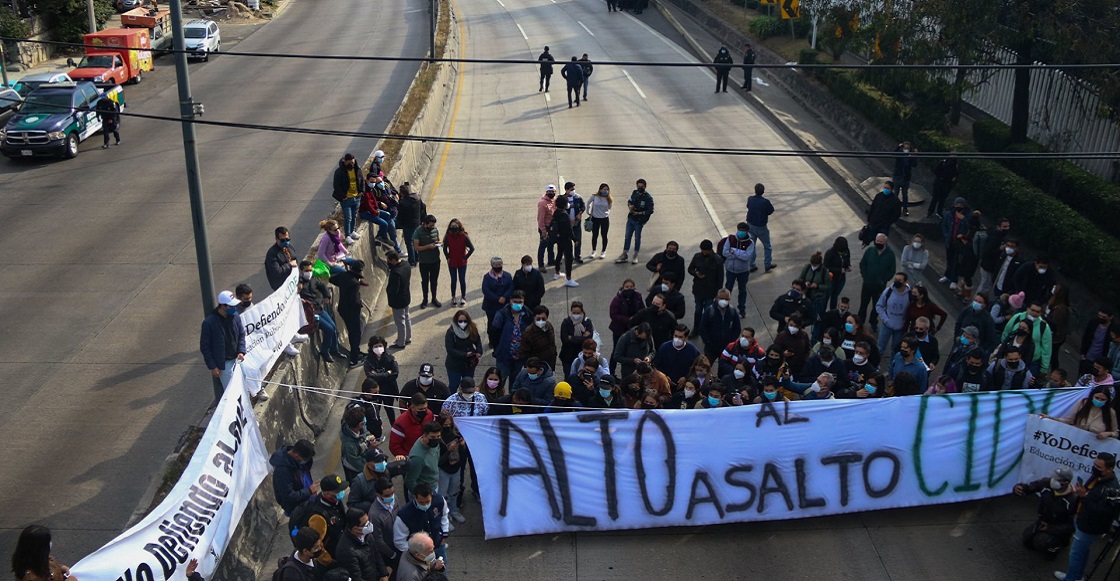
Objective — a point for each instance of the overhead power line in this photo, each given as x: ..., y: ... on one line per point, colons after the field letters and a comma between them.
x: 775, y: 66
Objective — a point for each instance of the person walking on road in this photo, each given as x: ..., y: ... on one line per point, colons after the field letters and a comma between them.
x: 738, y: 252
x: 349, y: 183
x: 546, y: 59
x: 588, y: 68
x: 612, y: 5
x: 748, y: 70
x: 759, y: 210
x: 639, y: 208
x: 723, y: 62
x: 599, y: 212
x: 573, y: 73
x: 279, y: 260
x: 427, y: 243
x: 546, y: 207
x: 1100, y: 503
x: 398, y: 294
x: 109, y: 112
x: 222, y: 342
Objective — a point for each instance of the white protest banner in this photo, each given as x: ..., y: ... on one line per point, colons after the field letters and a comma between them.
x: 269, y: 326
x: 1050, y: 444
x: 625, y: 469
x: 199, y: 515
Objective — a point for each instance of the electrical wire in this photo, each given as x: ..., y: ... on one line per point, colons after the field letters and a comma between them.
x: 776, y: 66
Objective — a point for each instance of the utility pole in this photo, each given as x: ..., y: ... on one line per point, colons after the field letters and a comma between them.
x: 89, y: 12
x: 3, y: 64
x: 433, y: 10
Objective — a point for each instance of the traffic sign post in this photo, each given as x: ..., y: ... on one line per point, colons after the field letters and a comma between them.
x: 790, y: 9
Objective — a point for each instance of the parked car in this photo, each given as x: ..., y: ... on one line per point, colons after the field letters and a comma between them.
x: 28, y: 83
x: 202, y: 37
x: 54, y: 119
x: 9, y: 103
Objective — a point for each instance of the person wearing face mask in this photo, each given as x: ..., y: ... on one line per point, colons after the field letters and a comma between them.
x: 539, y: 339
x: 318, y: 294
x: 363, y: 488
x: 719, y: 325
x: 588, y: 351
x: 667, y: 287
x: 546, y: 208
x: 723, y: 62
x: 424, y: 516
x: 374, y: 211
x: 648, y: 401
x: 830, y: 338
x: 743, y: 350
x: 884, y: 211
x: 349, y: 183
x: 961, y: 348
x: 1035, y: 279
x: 300, y: 565
x: 651, y: 378
x: 519, y: 402
x: 824, y: 361
x: 922, y: 307
x: 770, y: 392
x: 457, y: 249
x: 349, y: 306
x: 1098, y: 375
x: 929, y: 348
x: 279, y: 260
x: 355, y: 439
x: 793, y: 302
x: 1011, y: 372
x: 714, y: 398
x: 398, y: 294
x: 904, y: 165
x: 851, y: 334
x: 838, y: 262
x: 634, y: 347
x: 659, y: 317
x: 497, y: 287
x: 382, y: 513
x: 356, y: 552
x: 794, y: 344
x: 1040, y: 335
x: 877, y: 267
x: 915, y: 258
x: 971, y: 376
x: 409, y: 426
x: 511, y: 320
x: 773, y: 364
x: 821, y: 387
x: 740, y: 380
x: 537, y: 377
x: 423, y: 458
x: 599, y: 209
x: 1095, y: 338
x: 409, y: 212
x: 675, y: 357
x: 1057, y: 508
x: 291, y: 477
x: 701, y: 375
x: 324, y: 511
x: 491, y: 385
x: 818, y: 287
x: 463, y: 346
x: 563, y: 400
x: 585, y: 380
x: 639, y: 209
x: 576, y: 209
x: 989, y: 245
x: 957, y: 229
x: 976, y: 315
x: 874, y: 386
x: 891, y: 307
x: 624, y: 306
x: 706, y: 270
x: 684, y: 399
x: 382, y: 368
x: 738, y: 251
x: 835, y: 318
x: 1100, y: 503
x: 574, y: 330
x: 667, y: 262
x: 859, y: 367
x: 561, y: 232
x: 222, y: 341
x: 528, y: 280
x: 426, y: 384
x: 1094, y: 414
x: 1004, y: 281
x: 906, y: 361
x: 427, y: 242
x: 452, y: 464
x: 420, y: 559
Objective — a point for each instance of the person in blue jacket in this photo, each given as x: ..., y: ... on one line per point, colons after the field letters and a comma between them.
x: 497, y: 286
x: 222, y: 341
x: 291, y: 477
x: 511, y: 321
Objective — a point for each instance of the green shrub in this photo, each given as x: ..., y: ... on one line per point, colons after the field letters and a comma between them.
x: 807, y: 56
x: 888, y: 114
x: 13, y: 27
x: 1080, y: 248
x: 1091, y: 196
x: 803, y: 27
x: 765, y: 27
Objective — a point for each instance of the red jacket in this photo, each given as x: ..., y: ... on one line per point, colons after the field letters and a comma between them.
x: 455, y: 247
x: 369, y: 203
x: 406, y: 430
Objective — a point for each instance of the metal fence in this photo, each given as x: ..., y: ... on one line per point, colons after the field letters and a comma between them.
x: 1065, y: 113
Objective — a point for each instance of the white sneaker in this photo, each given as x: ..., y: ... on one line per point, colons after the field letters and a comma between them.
x: 300, y: 338
x: 261, y: 397
x: 635, y: 259
x: 571, y: 283
x: 952, y: 286
x: 291, y: 350
x: 458, y: 517
x: 557, y: 276
x: 348, y: 241
x: 603, y: 254
x: 1061, y: 576
x: 943, y: 280
x: 356, y: 235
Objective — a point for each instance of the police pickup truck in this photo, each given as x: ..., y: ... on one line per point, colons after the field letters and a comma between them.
x: 54, y: 119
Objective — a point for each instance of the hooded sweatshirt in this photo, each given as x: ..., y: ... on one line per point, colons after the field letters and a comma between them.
x: 892, y: 305
x: 1005, y: 377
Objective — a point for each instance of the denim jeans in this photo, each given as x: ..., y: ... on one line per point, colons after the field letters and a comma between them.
x: 1079, y: 553
x: 330, y: 333
x: 386, y: 227
x: 407, y: 232
x: 350, y: 214
x: 889, y: 337
x: 742, y: 278
x: 449, y: 484
x: 509, y: 370
x: 458, y: 274
x: 545, y: 243
x: 633, y: 229
x: 454, y: 377
x: 762, y: 234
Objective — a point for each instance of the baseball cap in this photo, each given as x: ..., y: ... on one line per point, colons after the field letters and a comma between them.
x: 608, y: 380
x: 228, y: 299
x: 971, y: 330
x: 374, y: 455
x: 379, y: 153
x: 426, y: 370
x: 562, y: 391
x: 550, y: 188
x: 1064, y: 474
x: 304, y: 448
x: 333, y: 482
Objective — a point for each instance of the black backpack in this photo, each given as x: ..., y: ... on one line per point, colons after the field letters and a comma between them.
x: 285, y: 563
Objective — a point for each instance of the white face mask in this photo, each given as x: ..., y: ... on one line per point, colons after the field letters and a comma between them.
x: 1009, y: 251
x: 664, y: 288
x: 723, y: 303
x: 739, y: 373
x: 815, y: 388
x: 367, y: 529
x: 1056, y: 484
x: 378, y: 350
x: 678, y: 342
x: 425, y: 381
x: 858, y: 359
x: 527, y: 268
x: 541, y: 324
x: 463, y: 325
x: 916, y: 245
x: 1054, y: 289
x: 305, y: 275
x: 792, y: 330
x: 577, y: 318
x: 689, y: 392
x: 1042, y: 271
x: 826, y: 341
x: 429, y: 559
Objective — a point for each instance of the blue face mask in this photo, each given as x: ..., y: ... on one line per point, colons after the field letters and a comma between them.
x: 381, y: 186
x: 388, y: 502
x: 605, y: 393
x: 713, y: 401
x: 232, y: 310
x: 341, y: 495
x: 740, y: 235
x: 285, y: 243
x: 870, y: 388
x: 517, y: 307
x: 976, y: 306
x: 886, y: 192
x: 770, y: 394
x: 424, y: 507
x: 381, y: 467
x: 1098, y: 403
x: 964, y: 340
x: 534, y: 376
x: 849, y: 327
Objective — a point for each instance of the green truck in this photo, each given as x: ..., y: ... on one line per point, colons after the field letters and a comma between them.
x: 54, y: 119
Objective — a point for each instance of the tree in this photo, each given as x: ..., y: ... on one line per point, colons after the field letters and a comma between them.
x: 70, y: 19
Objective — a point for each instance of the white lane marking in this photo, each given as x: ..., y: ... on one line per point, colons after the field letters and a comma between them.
x: 585, y: 28
x: 523, y: 35
x: 707, y: 204
x: 677, y: 49
x: 636, y: 87
x: 500, y: 4
x: 547, y: 98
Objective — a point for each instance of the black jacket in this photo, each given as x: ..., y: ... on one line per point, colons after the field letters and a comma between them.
x: 349, y: 292
x: 885, y: 210
x: 661, y: 323
x: 410, y: 210
x: 532, y: 284
x: 546, y: 60
x: 724, y: 61
x: 1100, y: 506
x: 342, y: 180
x: 560, y: 229
x: 109, y: 112
x: 991, y: 252
x: 397, y: 290
x: 573, y: 73
x: 287, y: 479
x: 674, y: 265
x: 588, y: 68
x: 785, y: 306
x: 332, y: 513
x: 457, y: 352
x: 748, y: 57
x: 1035, y: 286
x: 711, y: 267
x: 277, y: 265
x: 317, y: 292
x: 674, y: 303
x: 359, y: 558
x: 1057, y: 511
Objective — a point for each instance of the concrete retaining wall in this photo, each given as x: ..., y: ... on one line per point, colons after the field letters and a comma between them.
x: 289, y: 415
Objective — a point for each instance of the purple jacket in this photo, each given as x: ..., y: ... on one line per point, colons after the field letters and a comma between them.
x: 622, y: 308
x: 329, y: 251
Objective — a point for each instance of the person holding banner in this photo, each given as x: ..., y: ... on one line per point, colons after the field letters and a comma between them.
x: 1100, y: 504
x: 1094, y: 414
x: 223, y: 341
x: 1057, y: 506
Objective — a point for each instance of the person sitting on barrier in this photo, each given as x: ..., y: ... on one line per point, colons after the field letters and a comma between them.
x: 1057, y: 505
x: 1094, y: 414
x: 770, y: 391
